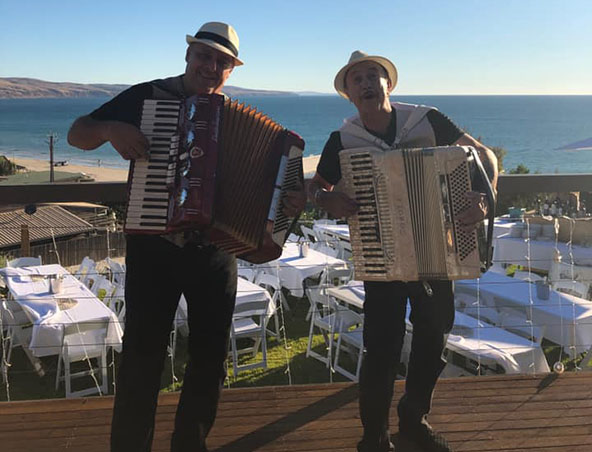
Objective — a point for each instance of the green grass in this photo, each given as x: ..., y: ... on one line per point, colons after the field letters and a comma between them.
x: 25, y: 384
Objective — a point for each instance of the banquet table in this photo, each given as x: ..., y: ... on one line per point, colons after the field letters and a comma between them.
x: 338, y: 231
x: 563, y: 318
x: 479, y: 340
x: 472, y: 338
x: 50, y: 312
x: 293, y: 268
x: 246, y: 292
x: 501, y: 226
x: 538, y: 254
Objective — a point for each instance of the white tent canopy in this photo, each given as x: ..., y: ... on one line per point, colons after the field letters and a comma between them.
x: 583, y: 145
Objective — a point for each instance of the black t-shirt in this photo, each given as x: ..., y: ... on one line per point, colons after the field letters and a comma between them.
x: 127, y: 105
x: 445, y: 130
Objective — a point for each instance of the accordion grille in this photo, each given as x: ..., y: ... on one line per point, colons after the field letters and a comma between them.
x: 459, y: 183
x: 245, y: 167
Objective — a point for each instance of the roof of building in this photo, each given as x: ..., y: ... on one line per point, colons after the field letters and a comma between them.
x: 41, y: 177
x: 45, y: 223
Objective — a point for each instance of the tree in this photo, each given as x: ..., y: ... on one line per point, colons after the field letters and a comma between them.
x: 7, y: 168
x: 520, y: 169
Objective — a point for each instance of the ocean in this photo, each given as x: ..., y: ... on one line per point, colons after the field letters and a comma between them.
x: 530, y: 128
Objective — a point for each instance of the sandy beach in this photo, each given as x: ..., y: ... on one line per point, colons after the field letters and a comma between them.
x: 106, y: 174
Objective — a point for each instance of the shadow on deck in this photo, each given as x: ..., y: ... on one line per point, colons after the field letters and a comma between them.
x: 505, y: 413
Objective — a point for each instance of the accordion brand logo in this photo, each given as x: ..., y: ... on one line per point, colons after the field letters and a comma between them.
x: 196, y: 152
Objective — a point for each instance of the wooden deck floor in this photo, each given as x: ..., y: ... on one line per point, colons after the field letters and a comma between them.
x: 543, y: 413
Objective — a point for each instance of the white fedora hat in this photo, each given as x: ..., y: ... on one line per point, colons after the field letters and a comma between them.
x: 358, y: 57
x: 219, y: 36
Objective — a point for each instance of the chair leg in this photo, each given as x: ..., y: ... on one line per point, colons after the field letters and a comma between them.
x: 359, y: 366
x: 310, y: 334
x: 59, y: 371
x: 264, y: 344
x: 104, y: 377
x: 67, y: 377
x: 234, y: 355
x: 284, y: 301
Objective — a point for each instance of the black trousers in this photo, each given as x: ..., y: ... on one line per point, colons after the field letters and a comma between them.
x: 432, y: 317
x: 157, y: 273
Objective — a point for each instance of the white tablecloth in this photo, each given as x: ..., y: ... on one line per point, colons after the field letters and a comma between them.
x: 293, y: 269
x: 564, y: 319
x: 32, y: 294
x: 480, y: 340
x: 474, y: 339
x: 246, y: 292
x: 538, y: 254
x: 339, y: 231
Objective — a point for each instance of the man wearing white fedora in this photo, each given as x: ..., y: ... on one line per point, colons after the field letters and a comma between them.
x: 367, y: 82
x: 161, y: 268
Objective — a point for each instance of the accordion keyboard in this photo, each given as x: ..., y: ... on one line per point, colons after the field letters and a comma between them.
x: 148, y: 197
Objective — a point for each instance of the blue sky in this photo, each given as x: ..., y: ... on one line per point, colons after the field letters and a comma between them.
x: 439, y: 46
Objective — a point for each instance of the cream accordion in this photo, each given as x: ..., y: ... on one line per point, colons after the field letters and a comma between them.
x: 218, y: 167
x: 406, y: 227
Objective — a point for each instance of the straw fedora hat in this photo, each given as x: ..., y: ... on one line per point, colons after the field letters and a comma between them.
x: 219, y: 36
x: 358, y: 57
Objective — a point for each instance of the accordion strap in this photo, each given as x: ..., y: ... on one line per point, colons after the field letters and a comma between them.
x: 491, y: 200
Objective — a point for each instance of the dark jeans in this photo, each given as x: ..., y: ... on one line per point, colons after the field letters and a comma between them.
x: 432, y: 317
x: 157, y: 273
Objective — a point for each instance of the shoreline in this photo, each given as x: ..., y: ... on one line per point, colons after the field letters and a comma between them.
x: 107, y: 174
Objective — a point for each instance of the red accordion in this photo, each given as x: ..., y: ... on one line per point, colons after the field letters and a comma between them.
x: 219, y: 167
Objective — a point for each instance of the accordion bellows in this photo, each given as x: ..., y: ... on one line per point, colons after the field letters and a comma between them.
x: 218, y: 167
x: 406, y: 227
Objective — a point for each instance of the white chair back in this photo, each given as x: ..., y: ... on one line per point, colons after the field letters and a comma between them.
x: 87, y: 271
x: 116, y: 271
x: 249, y: 322
x: 82, y: 342
x: 309, y: 235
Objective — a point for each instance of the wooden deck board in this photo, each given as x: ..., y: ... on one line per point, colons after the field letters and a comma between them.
x: 502, y: 413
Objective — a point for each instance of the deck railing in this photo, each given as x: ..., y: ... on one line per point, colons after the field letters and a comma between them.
x: 114, y: 192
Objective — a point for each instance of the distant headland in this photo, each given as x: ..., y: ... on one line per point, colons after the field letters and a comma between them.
x: 19, y: 87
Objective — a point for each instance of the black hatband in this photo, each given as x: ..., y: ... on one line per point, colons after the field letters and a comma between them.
x: 218, y: 39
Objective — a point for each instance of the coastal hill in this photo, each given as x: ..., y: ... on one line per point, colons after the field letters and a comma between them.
x: 16, y: 87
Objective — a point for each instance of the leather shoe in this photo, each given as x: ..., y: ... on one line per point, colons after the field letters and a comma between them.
x: 424, y: 436
x: 385, y: 447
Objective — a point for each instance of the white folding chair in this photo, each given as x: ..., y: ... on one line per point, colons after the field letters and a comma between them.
x: 116, y: 271
x: 87, y: 272
x: 309, y: 235
x: 249, y: 323
x: 24, y: 262
x: 329, y: 277
x: 335, y: 276
x: 16, y: 332
x: 324, y: 312
x: 350, y: 338
x: 103, y: 289
x: 271, y: 283
x: 84, y: 341
x: 248, y: 273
